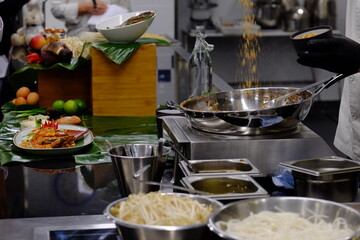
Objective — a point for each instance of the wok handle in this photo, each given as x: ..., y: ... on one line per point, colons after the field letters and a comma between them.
x: 330, y: 82
x: 172, y: 105
x: 318, y: 86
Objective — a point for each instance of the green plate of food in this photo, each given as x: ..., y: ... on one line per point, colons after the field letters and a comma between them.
x: 51, y: 139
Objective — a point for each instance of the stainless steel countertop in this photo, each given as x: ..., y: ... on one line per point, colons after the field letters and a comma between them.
x: 38, y: 228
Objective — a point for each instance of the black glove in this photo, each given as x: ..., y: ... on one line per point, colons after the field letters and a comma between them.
x: 338, y: 54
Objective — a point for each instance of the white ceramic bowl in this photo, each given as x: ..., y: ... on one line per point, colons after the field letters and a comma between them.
x: 129, y: 33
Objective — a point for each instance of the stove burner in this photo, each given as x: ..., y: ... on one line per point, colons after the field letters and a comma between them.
x: 89, y: 234
x: 264, y: 151
x: 196, y: 131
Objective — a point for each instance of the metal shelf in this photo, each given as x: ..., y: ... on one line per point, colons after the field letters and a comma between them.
x: 264, y: 33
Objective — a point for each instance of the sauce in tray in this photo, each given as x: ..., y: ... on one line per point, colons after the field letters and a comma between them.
x: 221, y: 166
x: 223, y: 185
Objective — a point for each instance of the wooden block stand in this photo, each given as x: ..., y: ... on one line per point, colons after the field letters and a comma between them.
x: 64, y: 84
x: 128, y: 89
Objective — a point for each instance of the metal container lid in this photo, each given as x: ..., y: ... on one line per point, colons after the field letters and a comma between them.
x: 219, y: 167
x: 322, y: 166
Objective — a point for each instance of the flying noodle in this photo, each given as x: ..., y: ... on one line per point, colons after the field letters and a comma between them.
x: 286, y: 225
x: 159, y: 209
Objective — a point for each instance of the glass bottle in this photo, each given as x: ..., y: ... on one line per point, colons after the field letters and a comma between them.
x: 200, y: 67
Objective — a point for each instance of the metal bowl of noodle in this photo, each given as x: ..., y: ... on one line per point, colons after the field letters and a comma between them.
x: 130, y: 230
x: 237, y: 220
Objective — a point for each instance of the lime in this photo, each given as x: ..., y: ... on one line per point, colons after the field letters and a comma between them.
x: 81, y: 104
x: 58, y: 105
x: 71, y: 107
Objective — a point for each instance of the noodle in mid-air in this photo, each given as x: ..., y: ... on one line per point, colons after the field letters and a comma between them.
x: 159, y: 209
x: 249, y: 48
x: 286, y: 225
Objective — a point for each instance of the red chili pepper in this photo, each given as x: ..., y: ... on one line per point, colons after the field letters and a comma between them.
x: 51, y: 124
x: 33, y: 58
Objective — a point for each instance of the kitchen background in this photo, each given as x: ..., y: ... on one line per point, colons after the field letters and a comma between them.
x: 277, y: 60
x: 277, y: 64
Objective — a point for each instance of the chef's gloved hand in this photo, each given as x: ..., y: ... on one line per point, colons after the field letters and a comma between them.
x: 338, y: 54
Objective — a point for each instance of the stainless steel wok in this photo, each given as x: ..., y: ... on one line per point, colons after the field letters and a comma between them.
x: 244, y: 111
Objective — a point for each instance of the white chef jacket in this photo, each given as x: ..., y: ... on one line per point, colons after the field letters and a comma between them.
x: 347, y: 138
x: 67, y: 10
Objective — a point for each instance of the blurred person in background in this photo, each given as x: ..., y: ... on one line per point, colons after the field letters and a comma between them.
x: 9, y: 13
x: 76, y: 13
x: 341, y: 54
x: 9, y: 10
x: 1, y: 28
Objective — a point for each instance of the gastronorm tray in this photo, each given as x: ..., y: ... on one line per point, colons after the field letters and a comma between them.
x: 219, y: 167
x: 229, y: 187
x: 332, y: 178
x: 322, y: 166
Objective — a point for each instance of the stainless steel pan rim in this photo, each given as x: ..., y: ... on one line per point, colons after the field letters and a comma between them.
x: 259, y: 108
x: 239, y: 112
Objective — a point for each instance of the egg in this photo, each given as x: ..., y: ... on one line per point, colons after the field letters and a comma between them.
x: 33, y: 98
x: 23, y: 92
x: 20, y: 100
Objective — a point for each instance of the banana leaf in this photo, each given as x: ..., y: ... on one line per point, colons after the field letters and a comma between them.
x: 118, y: 130
x: 27, y: 75
x: 111, y: 126
x: 86, y: 159
x: 117, y: 52
x: 74, y: 63
x: 10, y: 154
x: 120, y: 52
x: 145, y: 40
x: 10, y: 106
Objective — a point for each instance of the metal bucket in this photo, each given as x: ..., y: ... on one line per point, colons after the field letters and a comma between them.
x: 126, y: 165
x: 130, y: 231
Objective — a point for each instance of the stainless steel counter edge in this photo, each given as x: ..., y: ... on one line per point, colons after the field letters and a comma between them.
x: 38, y: 228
